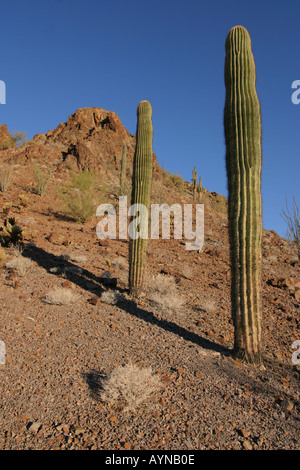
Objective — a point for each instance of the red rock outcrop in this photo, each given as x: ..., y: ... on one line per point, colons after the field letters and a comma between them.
x: 92, y: 138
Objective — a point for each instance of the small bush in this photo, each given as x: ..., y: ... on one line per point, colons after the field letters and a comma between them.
x: 173, y: 180
x: 6, y: 208
x: 23, y: 200
x: 161, y: 291
x: 128, y: 386
x: 19, y: 264
x: 60, y: 296
x: 110, y: 297
x: 19, y: 138
x: 6, y: 173
x: 292, y: 219
x: 79, y: 196
x: 177, y: 181
x: 43, y: 180
x: 3, y: 257
x: 209, y: 306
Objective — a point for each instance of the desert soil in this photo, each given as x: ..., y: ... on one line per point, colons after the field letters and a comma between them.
x: 58, y: 355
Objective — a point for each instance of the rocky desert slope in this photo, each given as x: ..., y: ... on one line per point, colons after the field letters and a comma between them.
x: 63, y: 345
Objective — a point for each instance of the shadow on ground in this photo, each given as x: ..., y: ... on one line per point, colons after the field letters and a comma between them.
x: 60, y: 265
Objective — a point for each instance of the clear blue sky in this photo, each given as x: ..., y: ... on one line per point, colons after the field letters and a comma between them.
x: 61, y: 55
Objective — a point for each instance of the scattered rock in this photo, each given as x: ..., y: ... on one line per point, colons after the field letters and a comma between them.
x: 34, y: 427
x: 287, y: 404
x: 245, y: 433
x: 247, y: 445
x: 78, y: 430
x: 95, y: 300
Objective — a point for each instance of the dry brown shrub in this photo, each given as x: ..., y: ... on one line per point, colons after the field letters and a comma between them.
x: 110, y: 297
x: 61, y: 296
x: 128, y: 386
x: 161, y: 291
x: 19, y: 264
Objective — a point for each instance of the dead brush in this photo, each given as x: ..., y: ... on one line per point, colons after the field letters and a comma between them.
x: 5, y: 177
x: 127, y: 387
x: 161, y: 291
x: 61, y: 296
x: 18, y: 264
x: 207, y: 305
x: 110, y: 297
x: 3, y: 257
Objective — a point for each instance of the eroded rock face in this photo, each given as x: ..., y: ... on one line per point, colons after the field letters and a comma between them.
x: 92, y: 138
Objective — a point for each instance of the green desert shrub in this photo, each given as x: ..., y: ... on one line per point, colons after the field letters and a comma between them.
x: 81, y: 195
x: 19, y: 138
x: 291, y: 216
x: 42, y: 180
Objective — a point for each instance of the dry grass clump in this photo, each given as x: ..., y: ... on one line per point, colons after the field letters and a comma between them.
x: 128, y: 386
x: 60, y: 296
x: 120, y: 262
x: 3, y: 257
x: 208, y: 306
x: 110, y: 297
x: 162, y: 292
x: 19, y: 264
x: 5, y: 177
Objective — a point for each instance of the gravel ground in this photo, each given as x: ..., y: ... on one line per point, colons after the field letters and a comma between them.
x: 57, y: 357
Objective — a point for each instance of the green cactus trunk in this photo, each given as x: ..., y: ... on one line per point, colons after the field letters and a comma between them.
x: 141, y: 192
x: 194, y: 179
x: 123, y: 169
x: 242, y: 126
x: 200, y: 188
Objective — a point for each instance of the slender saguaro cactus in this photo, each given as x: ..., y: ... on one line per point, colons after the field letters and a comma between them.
x: 200, y: 188
x: 141, y: 192
x: 123, y: 169
x: 194, y: 178
x: 242, y: 126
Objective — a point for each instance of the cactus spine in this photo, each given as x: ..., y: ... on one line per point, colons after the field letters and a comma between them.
x: 242, y: 126
x: 141, y: 192
x: 123, y: 169
x: 194, y: 179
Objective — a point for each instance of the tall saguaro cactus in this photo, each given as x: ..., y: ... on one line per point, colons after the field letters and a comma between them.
x: 123, y: 168
x: 200, y: 188
x: 141, y: 192
x: 242, y: 126
x: 194, y: 179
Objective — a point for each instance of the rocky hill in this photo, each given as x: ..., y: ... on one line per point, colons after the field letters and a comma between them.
x: 62, y: 345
